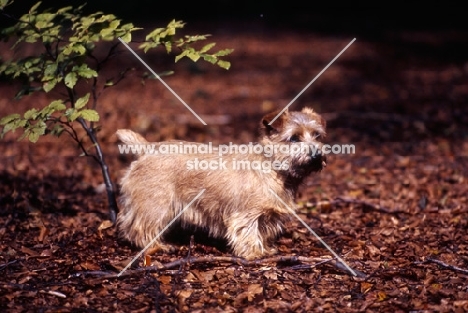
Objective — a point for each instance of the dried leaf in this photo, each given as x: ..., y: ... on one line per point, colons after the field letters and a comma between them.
x: 366, y: 287
x: 381, y: 296
x: 43, y: 234
x: 165, y: 279
x: 147, y: 260
x: 253, y: 290
x: 90, y: 266
x: 29, y: 251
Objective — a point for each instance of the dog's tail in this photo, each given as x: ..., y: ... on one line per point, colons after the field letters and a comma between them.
x: 129, y: 137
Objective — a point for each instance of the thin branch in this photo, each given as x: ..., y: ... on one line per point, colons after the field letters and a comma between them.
x: 213, y: 259
x: 110, y: 54
x: 111, y: 197
x: 444, y: 265
x: 2, y: 266
x: 49, y: 51
x: 99, y: 64
x: 189, y: 253
x: 95, y: 95
x: 113, y: 208
x: 74, y: 135
x: 121, y: 77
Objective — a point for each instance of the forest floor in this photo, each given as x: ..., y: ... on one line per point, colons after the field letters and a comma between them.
x: 396, y: 210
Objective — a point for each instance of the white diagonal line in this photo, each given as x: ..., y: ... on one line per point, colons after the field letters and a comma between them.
x: 312, y: 81
x: 160, y: 233
x: 162, y: 81
x: 315, y: 234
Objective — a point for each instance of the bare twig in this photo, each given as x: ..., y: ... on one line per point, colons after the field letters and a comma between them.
x: 70, y: 130
x: 2, y: 266
x: 189, y: 253
x: 444, y: 265
x: 213, y: 259
x: 158, y: 294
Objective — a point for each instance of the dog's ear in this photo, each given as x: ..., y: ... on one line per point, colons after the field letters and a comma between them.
x: 277, y: 124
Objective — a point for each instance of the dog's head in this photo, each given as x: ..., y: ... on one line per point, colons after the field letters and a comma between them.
x: 301, y: 133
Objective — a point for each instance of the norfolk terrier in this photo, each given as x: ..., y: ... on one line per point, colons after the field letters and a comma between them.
x: 247, y: 194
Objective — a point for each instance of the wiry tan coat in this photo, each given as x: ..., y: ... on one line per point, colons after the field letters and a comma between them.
x: 237, y: 205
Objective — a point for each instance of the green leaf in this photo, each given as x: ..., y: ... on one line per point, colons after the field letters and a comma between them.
x: 4, y: 3
x: 44, y: 20
x: 84, y: 71
x: 81, y: 102
x: 207, y: 47
x: 13, y: 125
x: 34, y: 7
x: 165, y: 73
x: 210, y: 58
x: 64, y: 10
x: 224, y: 64
x: 48, y: 86
x: 154, y: 35
x: 127, y: 37
x: 114, y: 24
x: 180, y: 56
x: 33, y: 137
x: 35, y: 131
x: 71, y: 79
x: 89, y: 115
x: 57, y: 105
x: 54, y: 106
x: 30, y: 114
x: 87, y: 21
x: 50, y: 70
x: 105, y: 32
x: 69, y: 112
x: 193, y: 55
x: 9, y: 118
x: 224, y: 52
x: 79, y: 48
x: 189, y: 39
x: 74, y: 115
x: 57, y: 130
x: 168, y: 46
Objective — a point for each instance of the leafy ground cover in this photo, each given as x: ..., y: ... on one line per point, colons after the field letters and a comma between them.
x: 396, y: 210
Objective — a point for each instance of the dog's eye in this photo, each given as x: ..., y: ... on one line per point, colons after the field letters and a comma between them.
x: 294, y: 138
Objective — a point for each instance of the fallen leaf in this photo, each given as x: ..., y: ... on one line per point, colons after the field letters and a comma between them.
x: 90, y: 266
x: 253, y: 290
x: 29, y: 251
x: 147, y: 260
x: 381, y: 296
x: 105, y: 225
x: 43, y: 234
x: 365, y: 287
x: 165, y: 279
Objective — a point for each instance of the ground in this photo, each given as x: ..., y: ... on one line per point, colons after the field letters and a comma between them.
x: 395, y: 210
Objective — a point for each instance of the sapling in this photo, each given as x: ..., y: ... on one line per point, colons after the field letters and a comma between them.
x: 64, y: 56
